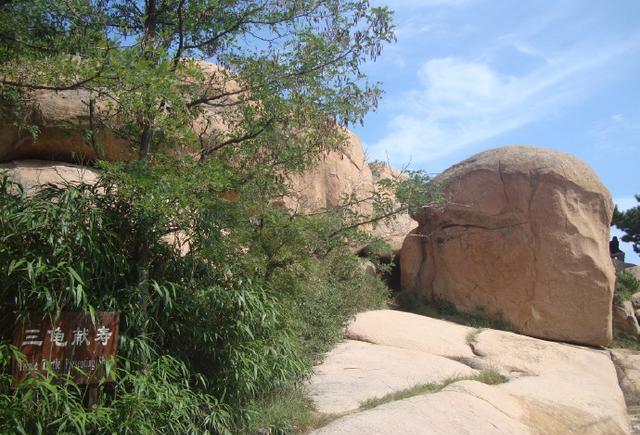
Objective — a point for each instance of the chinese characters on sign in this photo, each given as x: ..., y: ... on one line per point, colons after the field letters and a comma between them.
x: 71, y: 345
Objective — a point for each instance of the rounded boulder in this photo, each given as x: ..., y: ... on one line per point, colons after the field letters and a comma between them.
x: 523, y: 236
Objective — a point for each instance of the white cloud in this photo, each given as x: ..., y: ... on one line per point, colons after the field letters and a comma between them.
x: 460, y: 102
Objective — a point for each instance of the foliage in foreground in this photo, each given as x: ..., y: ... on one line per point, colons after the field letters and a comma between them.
x: 203, y: 336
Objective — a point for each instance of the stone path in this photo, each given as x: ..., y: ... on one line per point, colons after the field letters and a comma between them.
x: 553, y: 388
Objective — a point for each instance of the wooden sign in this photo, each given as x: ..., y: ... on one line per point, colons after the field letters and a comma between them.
x: 71, y: 345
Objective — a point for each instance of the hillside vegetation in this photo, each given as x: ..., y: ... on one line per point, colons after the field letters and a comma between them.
x: 210, y: 336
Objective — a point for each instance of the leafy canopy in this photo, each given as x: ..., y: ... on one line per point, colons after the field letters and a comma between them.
x: 284, y: 67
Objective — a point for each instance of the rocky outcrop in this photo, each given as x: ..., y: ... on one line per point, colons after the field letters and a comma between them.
x: 525, y: 236
x: 394, y: 231
x: 625, y: 323
x: 337, y: 174
x: 356, y: 371
x: 65, y: 118
x: 628, y: 366
x: 33, y: 174
x: 552, y: 388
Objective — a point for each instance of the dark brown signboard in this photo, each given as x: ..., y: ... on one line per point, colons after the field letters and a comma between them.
x: 71, y: 345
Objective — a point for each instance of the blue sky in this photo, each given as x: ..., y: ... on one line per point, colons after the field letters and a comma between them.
x: 469, y: 75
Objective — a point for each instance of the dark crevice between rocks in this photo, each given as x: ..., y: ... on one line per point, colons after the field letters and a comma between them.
x: 392, y: 277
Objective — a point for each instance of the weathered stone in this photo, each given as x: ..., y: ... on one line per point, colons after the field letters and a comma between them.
x: 635, y: 300
x: 553, y: 388
x: 63, y: 119
x: 356, y: 371
x: 33, y: 174
x: 451, y: 411
x: 367, y: 267
x: 625, y: 322
x: 524, y: 235
x: 577, y: 384
x: 411, y: 331
x: 395, y: 231
x: 336, y: 174
x: 627, y: 364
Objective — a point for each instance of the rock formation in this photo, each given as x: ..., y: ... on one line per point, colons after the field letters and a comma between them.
x: 338, y: 173
x: 32, y: 174
x: 524, y: 236
x: 552, y: 388
x: 625, y: 323
x: 396, y: 230
x: 65, y: 117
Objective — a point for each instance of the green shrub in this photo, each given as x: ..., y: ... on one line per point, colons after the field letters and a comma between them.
x: 626, y: 285
x: 203, y: 337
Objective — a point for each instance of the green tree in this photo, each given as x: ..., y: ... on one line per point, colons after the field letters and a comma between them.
x: 629, y: 222
x: 294, y: 65
x: 261, y: 290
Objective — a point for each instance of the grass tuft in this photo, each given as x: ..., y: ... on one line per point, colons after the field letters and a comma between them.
x: 445, y: 310
x: 625, y: 342
x: 286, y: 411
x: 489, y: 377
x: 472, y: 337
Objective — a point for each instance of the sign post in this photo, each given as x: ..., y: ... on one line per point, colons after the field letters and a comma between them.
x: 71, y: 345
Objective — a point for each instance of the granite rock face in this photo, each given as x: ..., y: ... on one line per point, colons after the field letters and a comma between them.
x: 552, y: 388
x: 524, y: 236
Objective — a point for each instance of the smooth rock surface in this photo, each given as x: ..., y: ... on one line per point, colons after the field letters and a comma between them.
x: 336, y: 174
x: 33, y: 174
x: 627, y: 364
x: 451, y: 411
x: 553, y: 388
x: 525, y: 236
x: 411, y: 331
x: 576, y: 380
x: 356, y: 371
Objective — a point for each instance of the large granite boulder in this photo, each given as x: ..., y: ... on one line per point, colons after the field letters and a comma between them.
x: 395, y: 230
x: 64, y: 119
x: 524, y: 236
x: 625, y: 323
x: 337, y: 174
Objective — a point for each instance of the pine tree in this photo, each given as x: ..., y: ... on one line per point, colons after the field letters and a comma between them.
x: 629, y: 222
